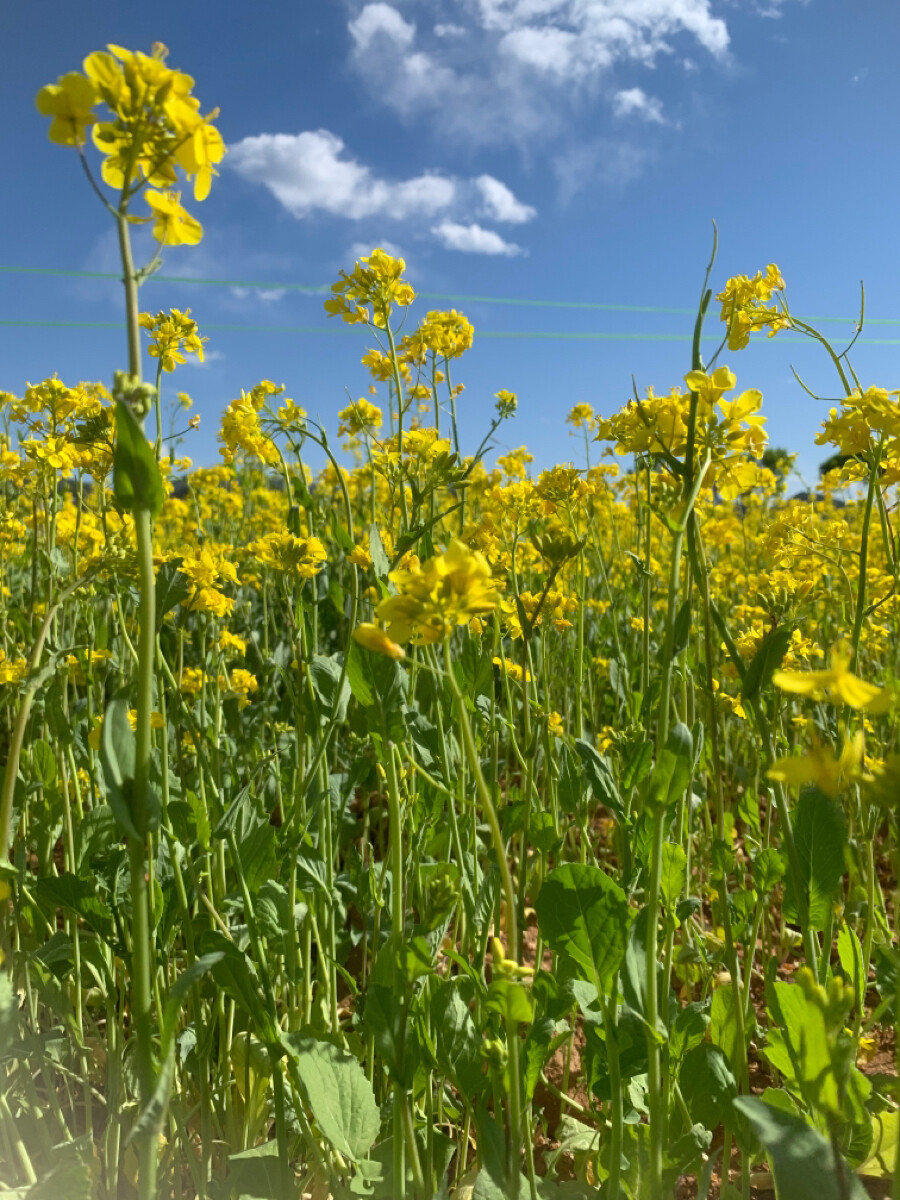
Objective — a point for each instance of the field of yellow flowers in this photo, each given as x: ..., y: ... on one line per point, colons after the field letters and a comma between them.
x: 425, y: 828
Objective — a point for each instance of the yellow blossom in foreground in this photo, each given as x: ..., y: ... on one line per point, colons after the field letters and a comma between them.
x: 173, y: 224
x: 838, y: 683
x: 11, y: 670
x: 157, y: 720
x: 434, y: 597
x: 374, y: 638
x: 830, y: 773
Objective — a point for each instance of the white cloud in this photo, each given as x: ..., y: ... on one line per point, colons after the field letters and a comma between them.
x: 548, y: 49
x: 380, y: 20
x: 209, y: 357
x: 363, y: 249
x: 473, y: 239
x: 312, y: 172
x: 268, y: 295
x: 520, y: 71
x: 634, y: 102
x: 309, y: 172
x: 500, y: 204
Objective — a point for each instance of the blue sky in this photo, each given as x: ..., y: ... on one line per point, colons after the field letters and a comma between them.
x: 535, y: 150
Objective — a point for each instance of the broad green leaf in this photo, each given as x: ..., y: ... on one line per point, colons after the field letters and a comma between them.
x: 638, y: 765
x: 882, y: 1159
x: 78, y: 896
x: 117, y: 754
x: 236, y: 976
x: 767, y: 659
x: 767, y: 869
x: 332, y: 691
x: 510, y: 999
x: 802, y: 1160
x: 672, y: 879
x: 820, y: 831
x: 584, y: 915
x: 136, y: 477
x: 339, y: 1095
x: 8, y: 1015
x: 381, y: 564
x: 172, y: 589
x: 256, y: 1173
x: 600, y: 778
x: 801, y: 1052
x: 456, y: 1040
x: 43, y: 760
x: 393, y: 1033
x: 708, y: 1086
x: 723, y: 1026
x: 851, y: 958
x: 672, y: 772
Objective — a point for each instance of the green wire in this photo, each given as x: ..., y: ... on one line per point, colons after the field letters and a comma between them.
x: 314, y: 290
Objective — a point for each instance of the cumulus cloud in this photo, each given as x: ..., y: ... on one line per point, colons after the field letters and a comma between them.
x: 267, y: 295
x: 634, y: 102
x: 500, y: 70
x: 473, y: 239
x: 500, y: 204
x: 309, y: 172
x: 380, y: 20
x: 313, y: 173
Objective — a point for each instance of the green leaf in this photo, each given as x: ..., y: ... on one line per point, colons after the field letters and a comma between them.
x: 381, y: 564
x: 584, y: 915
x: 881, y: 1162
x: 638, y: 765
x: 802, y: 1160
x: 172, y: 589
x: 598, y: 775
x: 78, y: 896
x: 673, y: 769
x: 708, y: 1086
x: 338, y: 1093
x: 820, y: 831
x: 799, y: 1048
x: 117, y: 755
x: 851, y: 958
x: 510, y: 999
x: 457, y: 1042
x: 341, y: 537
x: 9, y: 1009
x: 236, y: 975
x: 767, y: 870
x: 256, y: 1173
x: 768, y: 658
x: 43, y: 761
x: 95, y: 833
x: 674, y: 865
x: 136, y: 477
x: 723, y: 1026
x: 325, y: 675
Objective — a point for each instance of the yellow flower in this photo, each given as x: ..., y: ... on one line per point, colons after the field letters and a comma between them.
x: 374, y: 638
x: 70, y: 103
x: 173, y: 224
x: 820, y: 766
x: 156, y: 720
x: 837, y: 683
x: 447, y: 590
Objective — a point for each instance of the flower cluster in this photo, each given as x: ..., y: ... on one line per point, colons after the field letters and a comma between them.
x: 434, y: 597
x: 371, y: 291
x: 172, y: 335
x: 153, y: 130
x: 745, y: 306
